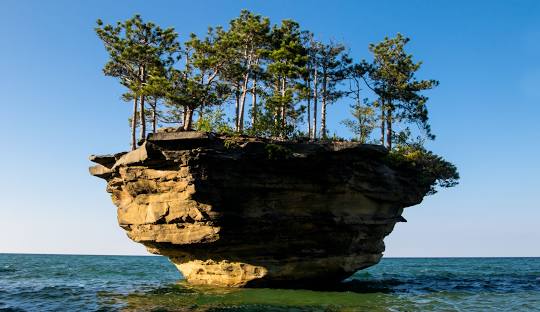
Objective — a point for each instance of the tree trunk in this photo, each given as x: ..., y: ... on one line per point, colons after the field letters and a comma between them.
x: 142, y: 119
x: 323, y: 119
x: 189, y: 119
x: 383, y: 120
x: 277, y: 110
x: 201, y: 112
x: 323, y: 107
x: 237, y: 108
x: 360, y: 127
x: 184, y: 116
x: 361, y: 130
x: 315, y: 103
x: 243, y: 96
x: 242, y: 104
x: 143, y: 115
x: 254, y: 102
x: 283, y: 107
x: 154, y: 121
x: 134, y: 124
x: 389, y: 127
x: 154, y: 117
x: 309, y: 102
x: 184, y: 121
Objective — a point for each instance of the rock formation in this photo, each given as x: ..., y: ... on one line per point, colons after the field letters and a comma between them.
x: 238, y: 211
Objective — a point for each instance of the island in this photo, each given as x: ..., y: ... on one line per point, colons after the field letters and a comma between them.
x: 235, y: 174
x: 241, y: 211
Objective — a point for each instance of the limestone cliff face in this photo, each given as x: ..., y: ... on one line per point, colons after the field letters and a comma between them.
x: 250, y: 212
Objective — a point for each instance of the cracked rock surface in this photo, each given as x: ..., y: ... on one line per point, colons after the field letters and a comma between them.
x: 240, y: 211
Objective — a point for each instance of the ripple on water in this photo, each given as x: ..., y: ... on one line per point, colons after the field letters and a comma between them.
x: 60, y: 283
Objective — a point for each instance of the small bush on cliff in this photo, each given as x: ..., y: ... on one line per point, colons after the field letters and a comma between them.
x: 432, y: 169
x: 275, y: 151
x: 231, y: 142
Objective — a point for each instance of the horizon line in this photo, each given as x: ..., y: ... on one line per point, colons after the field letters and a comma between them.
x: 151, y: 255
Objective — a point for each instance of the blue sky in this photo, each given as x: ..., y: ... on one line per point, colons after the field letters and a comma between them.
x: 58, y: 108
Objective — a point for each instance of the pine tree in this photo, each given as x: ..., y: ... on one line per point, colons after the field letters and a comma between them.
x: 331, y: 64
x: 362, y: 109
x: 308, y: 76
x: 197, y: 85
x: 393, y: 79
x: 248, y: 35
x: 288, y: 58
x: 135, y: 48
x: 284, y: 69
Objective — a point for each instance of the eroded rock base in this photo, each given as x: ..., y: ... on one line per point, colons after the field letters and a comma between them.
x: 219, y: 273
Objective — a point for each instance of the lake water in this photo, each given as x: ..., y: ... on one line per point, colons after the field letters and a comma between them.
x: 124, y: 283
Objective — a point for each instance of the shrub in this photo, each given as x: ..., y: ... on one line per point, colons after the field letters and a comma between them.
x: 432, y: 169
x: 275, y: 151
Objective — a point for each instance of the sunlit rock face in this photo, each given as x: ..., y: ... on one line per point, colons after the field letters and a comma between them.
x: 251, y: 212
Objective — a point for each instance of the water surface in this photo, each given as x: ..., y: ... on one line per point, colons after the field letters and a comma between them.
x: 123, y: 283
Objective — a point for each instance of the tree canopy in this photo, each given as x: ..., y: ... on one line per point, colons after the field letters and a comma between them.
x: 289, y: 76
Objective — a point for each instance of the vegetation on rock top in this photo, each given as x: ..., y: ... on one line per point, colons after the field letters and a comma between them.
x: 289, y: 76
x: 430, y: 169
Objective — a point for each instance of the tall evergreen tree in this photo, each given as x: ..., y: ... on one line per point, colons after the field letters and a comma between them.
x: 362, y: 110
x: 393, y: 79
x: 248, y: 35
x: 287, y: 63
x: 308, y: 84
x: 135, y: 48
x: 332, y: 64
x: 198, y: 84
x: 155, y: 91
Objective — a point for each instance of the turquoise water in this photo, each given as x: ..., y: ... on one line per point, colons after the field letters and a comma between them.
x: 120, y: 283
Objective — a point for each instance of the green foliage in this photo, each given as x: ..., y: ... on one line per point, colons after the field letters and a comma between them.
x: 392, y: 74
x: 269, y: 126
x: 247, y: 41
x: 231, y: 143
x: 136, y: 49
x: 364, y: 121
x: 277, y: 152
x: 336, y: 138
x: 333, y: 63
x: 213, y: 121
x: 286, y: 59
x: 198, y: 84
x: 432, y: 169
x: 280, y: 66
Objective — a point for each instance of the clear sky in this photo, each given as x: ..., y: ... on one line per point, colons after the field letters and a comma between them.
x: 58, y: 108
